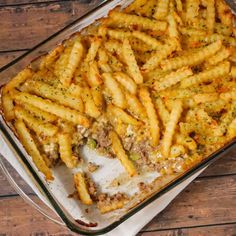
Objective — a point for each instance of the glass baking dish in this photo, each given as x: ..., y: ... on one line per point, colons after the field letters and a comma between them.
x: 69, y: 211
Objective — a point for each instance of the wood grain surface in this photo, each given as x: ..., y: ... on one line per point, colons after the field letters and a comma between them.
x: 207, y: 207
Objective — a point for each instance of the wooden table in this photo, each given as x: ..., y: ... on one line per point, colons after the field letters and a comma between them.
x: 206, y: 207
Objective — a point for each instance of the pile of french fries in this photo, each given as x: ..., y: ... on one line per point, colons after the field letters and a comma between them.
x: 165, y: 68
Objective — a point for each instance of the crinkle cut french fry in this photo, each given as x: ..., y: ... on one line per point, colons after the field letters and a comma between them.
x: 173, y: 27
x: 208, y: 75
x: 19, y: 79
x: 65, y: 150
x: 55, y: 94
x: 224, y: 12
x: 172, y: 79
x: 135, y: 6
x: 75, y: 90
x: 153, y: 121
x: 221, y: 55
x: 30, y: 146
x: 201, y: 40
x: 192, y: 10
x: 118, y: 97
x: 135, y: 107
x: 90, y: 108
x: 162, y: 111
x: 98, y: 96
x: 227, y: 96
x: 179, y: 5
x: 92, y: 52
x: 103, y: 61
x: 192, y: 58
x: 82, y: 189
x: 161, y: 9
x: 48, y: 106
x: 192, y: 31
x: 210, y: 15
x: 94, y: 78
x: 127, y: 20
x: 38, y: 126
x: 74, y: 60
x: 7, y: 105
x: 118, y: 34
x: 205, y: 97
x: 122, y: 115
x: 152, y: 42
x: 163, y: 53
x: 126, y: 82
x: 121, y: 155
x: 51, y: 57
x: 131, y: 62
x: 147, y: 9
x: 170, y: 127
x: 36, y: 112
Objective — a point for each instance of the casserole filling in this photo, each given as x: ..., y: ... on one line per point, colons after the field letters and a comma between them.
x: 152, y: 85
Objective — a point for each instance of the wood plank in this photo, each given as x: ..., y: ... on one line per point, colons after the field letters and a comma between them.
x: 226, y: 165
x: 204, y: 202
x: 217, y: 230
x: 36, y: 22
x: 7, y: 57
x: 18, y: 218
x: 21, y: 2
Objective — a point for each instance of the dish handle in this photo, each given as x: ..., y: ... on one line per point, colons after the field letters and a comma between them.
x: 25, y: 197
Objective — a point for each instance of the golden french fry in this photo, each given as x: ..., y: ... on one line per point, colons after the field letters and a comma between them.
x: 122, y: 115
x: 162, y: 111
x: 209, y: 75
x: 65, y: 150
x: 173, y: 27
x: 74, y: 59
x: 231, y: 131
x: 30, y: 146
x: 161, y: 10
x: 53, y: 108
x: 56, y: 94
x: 7, y: 105
x: 221, y: 55
x: 151, y: 41
x: 192, y: 10
x: 121, y: 155
x: 35, y: 124
x: 118, y: 97
x: 19, y: 79
x: 170, y: 127
x: 177, y: 150
x: 145, y: 98
x: 172, y: 79
x: 51, y: 57
x: 131, y: 62
x: 82, y: 189
x: 161, y: 54
x: 90, y: 108
x: 210, y: 15
x: 126, y: 82
x: 192, y: 58
x: 40, y: 114
x: 135, y: 107
x: 94, y: 78
x: 125, y: 20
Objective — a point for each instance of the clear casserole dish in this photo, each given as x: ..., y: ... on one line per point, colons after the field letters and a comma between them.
x: 70, y: 211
